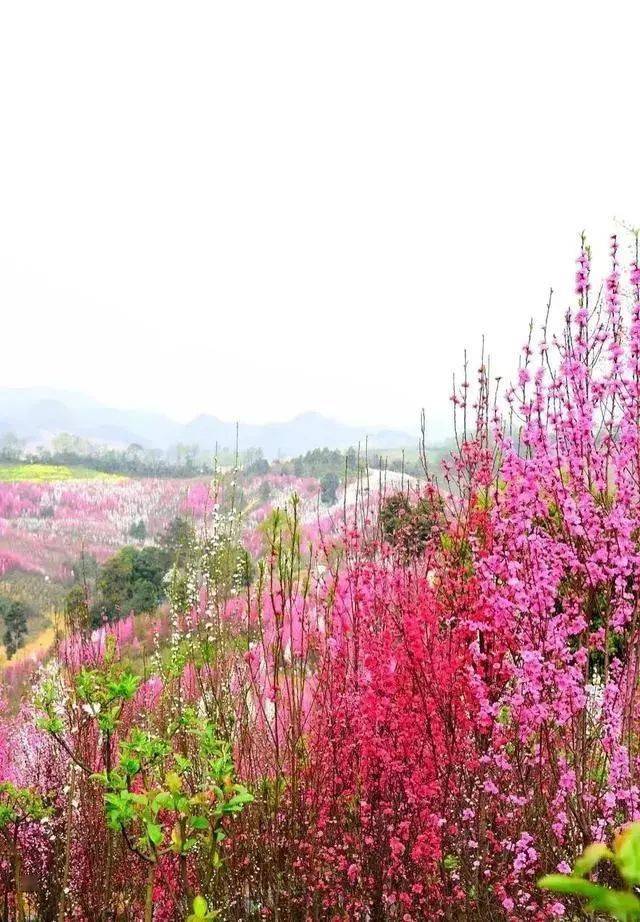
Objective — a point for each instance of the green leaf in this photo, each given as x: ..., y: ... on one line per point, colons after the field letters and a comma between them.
x: 590, y: 858
x: 621, y: 904
x: 451, y: 863
x: 173, y: 782
x: 238, y: 801
x: 51, y: 725
x: 199, y: 822
x: 162, y: 801
x: 182, y: 763
x: 154, y: 831
x: 567, y: 883
x: 627, y: 853
x: 200, y: 907
x: 182, y: 804
x: 130, y: 766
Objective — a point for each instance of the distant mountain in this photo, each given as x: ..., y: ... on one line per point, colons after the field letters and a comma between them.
x: 39, y: 414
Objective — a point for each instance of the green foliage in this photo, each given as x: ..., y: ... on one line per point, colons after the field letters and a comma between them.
x: 74, y: 457
x: 131, y: 581
x: 319, y: 462
x: 145, y: 596
x: 623, y: 905
x: 329, y: 488
x: 201, y: 911
x: 228, y: 565
x: 15, y: 615
x: 178, y: 538
x: 104, y: 690
x: 20, y: 805
x: 407, y: 524
x: 264, y: 492
x: 255, y: 464
x: 45, y: 702
x: 281, y: 536
x: 85, y: 569
x: 11, y: 447
x: 135, y: 579
x: 411, y: 460
x: 451, y: 863
x: 163, y: 800
x: 76, y: 607
x: 101, y: 692
x: 138, y: 531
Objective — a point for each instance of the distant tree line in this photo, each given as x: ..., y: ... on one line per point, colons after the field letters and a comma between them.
x: 322, y: 461
x: 318, y: 462
x: 135, y: 460
x: 329, y: 466
x: 190, y: 460
x: 401, y: 465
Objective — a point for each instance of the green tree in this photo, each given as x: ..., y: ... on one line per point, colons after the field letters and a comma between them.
x: 405, y: 524
x: 76, y: 607
x: 131, y: 581
x: 11, y: 447
x: 264, y: 493
x: 138, y: 531
x: 151, y: 563
x: 145, y: 596
x: 329, y: 488
x: 351, y: 459
x: 114, y: 585
x: 15, y: 615
x: 177, y: 538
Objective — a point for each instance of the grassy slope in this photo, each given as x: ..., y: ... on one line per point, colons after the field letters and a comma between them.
x: 44, y: 596
x: 47, y: 473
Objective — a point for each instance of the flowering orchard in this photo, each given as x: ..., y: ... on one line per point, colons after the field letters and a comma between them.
x: 413, y: 716
x: 46, y: 527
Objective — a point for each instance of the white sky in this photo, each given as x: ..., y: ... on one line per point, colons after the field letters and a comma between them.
x: 256, y: 209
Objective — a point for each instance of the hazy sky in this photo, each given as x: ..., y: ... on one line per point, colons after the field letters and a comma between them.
x: 255, y: 209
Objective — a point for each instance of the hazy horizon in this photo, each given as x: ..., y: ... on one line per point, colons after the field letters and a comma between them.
x: 49, y: 392
x: 201, y: 215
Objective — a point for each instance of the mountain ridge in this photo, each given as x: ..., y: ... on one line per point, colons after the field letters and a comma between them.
x: 36, y: 415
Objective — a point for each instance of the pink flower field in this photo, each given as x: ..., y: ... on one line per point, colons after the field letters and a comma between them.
x: 44, y: 528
